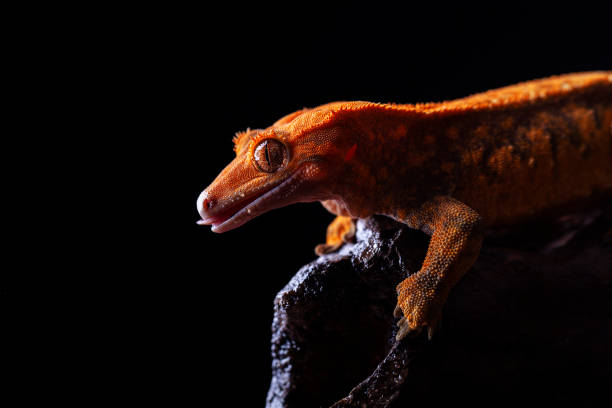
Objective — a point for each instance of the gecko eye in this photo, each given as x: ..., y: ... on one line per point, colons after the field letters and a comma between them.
x: 270, y: 154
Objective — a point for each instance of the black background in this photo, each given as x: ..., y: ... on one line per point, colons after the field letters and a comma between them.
x: 167, y: 310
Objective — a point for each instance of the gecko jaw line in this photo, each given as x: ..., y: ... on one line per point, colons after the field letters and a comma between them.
x: 257, y: 206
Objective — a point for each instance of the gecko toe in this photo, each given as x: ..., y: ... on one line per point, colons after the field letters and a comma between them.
x: 323, y: 249
x: 402, y: 332
x: 349, y: 235
x: 404, y: 329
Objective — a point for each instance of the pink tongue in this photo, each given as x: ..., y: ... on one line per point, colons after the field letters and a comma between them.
x: 211, y: 220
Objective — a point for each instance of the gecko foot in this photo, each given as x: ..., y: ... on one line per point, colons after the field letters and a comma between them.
x: 416, y: 309
x: 340, y: 231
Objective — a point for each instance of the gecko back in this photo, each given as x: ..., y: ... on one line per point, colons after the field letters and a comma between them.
x: 540, y: 153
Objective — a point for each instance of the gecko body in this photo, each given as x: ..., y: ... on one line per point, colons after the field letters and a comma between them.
x: 449, y: 169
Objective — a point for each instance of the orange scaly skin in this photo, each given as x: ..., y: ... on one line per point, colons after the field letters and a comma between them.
x: 448, y: 169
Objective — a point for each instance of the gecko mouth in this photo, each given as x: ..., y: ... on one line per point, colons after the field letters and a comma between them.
x: 218, y: 219
x: 246, y: 210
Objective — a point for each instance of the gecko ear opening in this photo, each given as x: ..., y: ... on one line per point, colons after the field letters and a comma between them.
x: 270, y: 155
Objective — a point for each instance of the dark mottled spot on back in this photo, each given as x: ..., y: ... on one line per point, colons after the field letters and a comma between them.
x: 597, y: 118
x: 572, y: 133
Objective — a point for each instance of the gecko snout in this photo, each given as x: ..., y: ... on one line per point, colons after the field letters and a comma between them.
x: 204, y: 204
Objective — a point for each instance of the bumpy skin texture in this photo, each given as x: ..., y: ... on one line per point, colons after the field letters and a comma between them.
x: 449, y: 169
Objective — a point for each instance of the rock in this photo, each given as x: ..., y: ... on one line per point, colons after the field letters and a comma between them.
x: 532, y: 316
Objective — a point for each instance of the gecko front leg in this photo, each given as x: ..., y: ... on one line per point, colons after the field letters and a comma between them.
x: 341, y: 230
x: 456, y: 236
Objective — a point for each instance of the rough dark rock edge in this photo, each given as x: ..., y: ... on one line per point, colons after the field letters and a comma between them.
x: 333, y: 331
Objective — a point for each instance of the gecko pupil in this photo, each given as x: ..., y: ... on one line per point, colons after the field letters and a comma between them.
x: 269, y: 155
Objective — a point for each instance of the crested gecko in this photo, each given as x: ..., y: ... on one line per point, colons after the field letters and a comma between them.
x: 449, y: 169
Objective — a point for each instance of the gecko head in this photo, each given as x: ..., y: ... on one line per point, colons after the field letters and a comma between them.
x: 273, y: 168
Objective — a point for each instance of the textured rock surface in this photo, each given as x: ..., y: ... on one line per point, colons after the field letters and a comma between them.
x: 532, y: 317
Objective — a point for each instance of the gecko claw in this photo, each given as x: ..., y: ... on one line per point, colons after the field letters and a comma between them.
x: 398, y: 312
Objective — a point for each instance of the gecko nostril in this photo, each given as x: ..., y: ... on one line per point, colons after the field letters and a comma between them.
x: 207, y: 203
